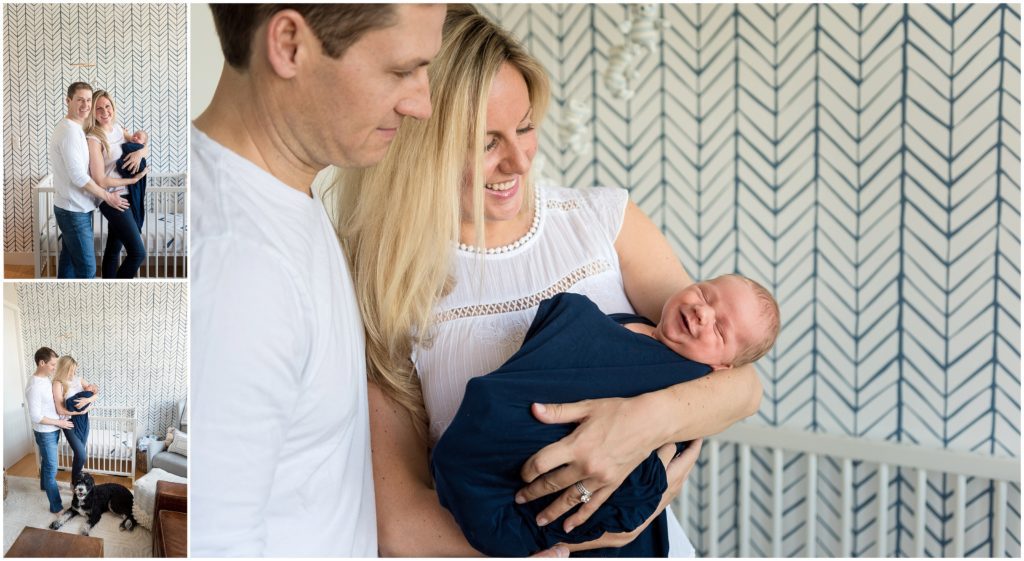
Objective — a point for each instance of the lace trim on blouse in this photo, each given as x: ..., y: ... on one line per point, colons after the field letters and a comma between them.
x: 526, y: 302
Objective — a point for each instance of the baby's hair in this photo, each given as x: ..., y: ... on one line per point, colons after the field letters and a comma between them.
x: 769, y: 309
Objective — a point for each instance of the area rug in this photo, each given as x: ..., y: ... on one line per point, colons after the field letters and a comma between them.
x: 26, y: 505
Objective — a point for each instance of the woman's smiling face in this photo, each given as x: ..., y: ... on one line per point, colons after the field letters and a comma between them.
x: 509, y: 147
x: 104, y: 111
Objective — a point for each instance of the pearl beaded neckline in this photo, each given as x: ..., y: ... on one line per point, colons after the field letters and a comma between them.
x: 516, y: 244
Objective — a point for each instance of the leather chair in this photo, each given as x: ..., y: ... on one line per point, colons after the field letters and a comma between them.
x: 170, y: 520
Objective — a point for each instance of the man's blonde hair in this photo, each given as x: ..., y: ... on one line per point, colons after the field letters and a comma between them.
x: 399, y: 220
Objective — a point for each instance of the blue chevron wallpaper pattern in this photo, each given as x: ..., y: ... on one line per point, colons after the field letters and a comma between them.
x: 863, y: 162
x: 129, y: 338
x: 137, y: 51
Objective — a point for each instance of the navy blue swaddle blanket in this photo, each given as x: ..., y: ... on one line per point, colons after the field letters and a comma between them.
x: 137, y: 190
x: 571, y: 352
x: 81, y: 422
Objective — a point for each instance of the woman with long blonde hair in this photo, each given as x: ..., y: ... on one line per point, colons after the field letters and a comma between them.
x: 106, y: 138
x: 452, y: 248
x: 73, y: 398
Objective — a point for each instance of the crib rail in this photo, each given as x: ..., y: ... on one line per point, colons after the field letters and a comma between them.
x: 848, y: 452
x: 165, y: 240
x: 111, y: 443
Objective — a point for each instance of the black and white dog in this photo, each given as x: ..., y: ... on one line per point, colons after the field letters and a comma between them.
x: 92, y: 500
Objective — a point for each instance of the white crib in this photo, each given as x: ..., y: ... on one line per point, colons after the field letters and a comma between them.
x: 751, y: 496
x: 110, y: 448
x: 164, y: 232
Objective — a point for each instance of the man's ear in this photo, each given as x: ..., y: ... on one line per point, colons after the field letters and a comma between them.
x: 287, y: 39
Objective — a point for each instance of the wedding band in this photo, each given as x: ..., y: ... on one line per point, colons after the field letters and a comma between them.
x: 584, y: 494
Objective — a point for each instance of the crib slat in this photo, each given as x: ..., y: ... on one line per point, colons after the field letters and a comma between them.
x: 846, y: 533
x: 777, y: 468
x: 744, y: 521
x: 812, y: 504
x: 959, y: 515
x: 883, y: 509
x: 919, y: 512
x: 684, y: 509
x: 999, y: 524
x: 713, y: 499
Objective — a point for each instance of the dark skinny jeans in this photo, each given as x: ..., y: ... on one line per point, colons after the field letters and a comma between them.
x: 122, y: 231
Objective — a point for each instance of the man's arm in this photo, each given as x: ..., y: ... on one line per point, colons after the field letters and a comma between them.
x: 250, y: 342
x: 75, y: 153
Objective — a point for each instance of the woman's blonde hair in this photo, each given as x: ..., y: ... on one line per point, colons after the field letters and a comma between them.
x: 92, y: 127
x: 65, y: 371
x: 399, y: 221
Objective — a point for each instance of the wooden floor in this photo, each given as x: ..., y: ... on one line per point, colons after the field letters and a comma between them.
x: 26, y: 467
x: 19, y: 271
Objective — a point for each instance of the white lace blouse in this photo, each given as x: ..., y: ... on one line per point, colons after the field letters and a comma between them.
x: 485, y: 318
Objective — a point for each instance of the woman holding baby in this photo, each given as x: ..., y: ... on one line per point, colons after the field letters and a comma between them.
x: 116, y: 161
x: 73, y: 398
x: 453, y: 247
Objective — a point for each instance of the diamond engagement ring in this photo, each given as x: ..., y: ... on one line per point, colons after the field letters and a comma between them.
x: 584, y: 494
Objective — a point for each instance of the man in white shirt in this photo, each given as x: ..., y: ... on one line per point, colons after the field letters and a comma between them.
x: 280, y: 458
x: 46, y: 424
x: 76, y: 195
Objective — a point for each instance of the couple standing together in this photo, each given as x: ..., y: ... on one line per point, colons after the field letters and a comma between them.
x: 446, y: 250
x: 96, y: 162
x: 58, y: 400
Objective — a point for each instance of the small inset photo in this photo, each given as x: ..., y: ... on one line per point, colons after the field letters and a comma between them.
x: 95, y: 118
x: 95, y: 419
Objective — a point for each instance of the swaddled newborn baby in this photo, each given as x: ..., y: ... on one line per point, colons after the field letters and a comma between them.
x: 572, y: 352
x: 137, y: 191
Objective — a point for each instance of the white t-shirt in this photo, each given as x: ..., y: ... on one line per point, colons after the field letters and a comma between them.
x: 281, y: 465
x: 69, y: 163
x: 482, y: 322
x: 39, y: 398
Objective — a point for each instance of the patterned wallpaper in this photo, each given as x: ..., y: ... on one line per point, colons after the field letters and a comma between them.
x: 137, y: 52
x: 130, y: 338
x: 863, y: 162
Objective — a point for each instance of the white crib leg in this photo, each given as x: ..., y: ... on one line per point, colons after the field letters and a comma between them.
x: 883, y: 510
x: 777, y: 469
x: 919, y: 512
x: 999, y: 524
x: 812, y: 504
x: 744, y: 521
x: 846, y: 541
x: 959, y: 515
x: 713, y: 467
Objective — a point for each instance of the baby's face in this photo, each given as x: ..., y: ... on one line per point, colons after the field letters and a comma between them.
x: 137, y: 138
x: 712, y: 321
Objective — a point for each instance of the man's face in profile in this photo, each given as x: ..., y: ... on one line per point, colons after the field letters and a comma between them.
x: 360, y: 99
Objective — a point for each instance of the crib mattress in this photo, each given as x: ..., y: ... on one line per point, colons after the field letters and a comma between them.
x: 161, y: 232
x: 106, y: 443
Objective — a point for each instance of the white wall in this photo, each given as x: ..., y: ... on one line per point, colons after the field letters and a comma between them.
x: 206, y: 57
x: 17, y: 442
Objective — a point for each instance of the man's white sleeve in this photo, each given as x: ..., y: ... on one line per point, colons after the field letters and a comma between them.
x: 250, y: 341
x: 35, y: 408
x: 75, y: 152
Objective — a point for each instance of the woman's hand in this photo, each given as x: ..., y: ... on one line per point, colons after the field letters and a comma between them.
x: 115, y: 201
x: 677, y: 470
x: 83, y: 401
x: 613, y: 437
x: 140, y: 175
x: 133, y: 161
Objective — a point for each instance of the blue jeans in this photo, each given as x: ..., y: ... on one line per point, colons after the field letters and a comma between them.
x: 78, y: 447
x: 121, y: 231
x: 47, y: 442
x: 77, y: 252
